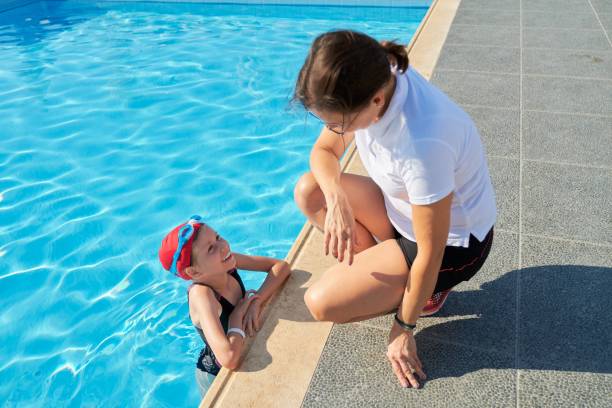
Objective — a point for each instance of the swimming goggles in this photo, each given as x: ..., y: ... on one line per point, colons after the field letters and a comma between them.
x: 184, y: 234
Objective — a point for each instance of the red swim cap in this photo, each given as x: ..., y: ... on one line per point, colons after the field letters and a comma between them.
x: 168, y: 249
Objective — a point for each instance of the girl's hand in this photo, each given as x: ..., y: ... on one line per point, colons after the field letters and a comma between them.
x: 402, y: 353
x: 252, y: 318
x: 237, y: 316
x: 339, y: 229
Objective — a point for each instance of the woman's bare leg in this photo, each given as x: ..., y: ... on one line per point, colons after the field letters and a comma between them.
x: 373, y: 285
x: 366, y: 201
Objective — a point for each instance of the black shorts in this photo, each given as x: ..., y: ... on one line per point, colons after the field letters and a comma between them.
x: 459, y: 264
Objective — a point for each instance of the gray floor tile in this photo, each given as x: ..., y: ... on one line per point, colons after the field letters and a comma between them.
x: 505, y: 178
x: 567, y: 95
x: 565, y: 19
x: 490, y: 4
x: 580, y: 6
x: 564, y: 285
x: 606, y: 20
x: 567, y: 201
x: 538, y: 251
x: 562, y: 389
x: 478, y: 58
x: 602, y: 6
x: 484, y: 35
x: 567, y: 138
x: 560, y: 367
x: 479, y: 89
x: 484, y: 304
x: 594, y: 64
x: 354, y: 359
x: 569, y: 39
x: 487, y: 17
x: 499, y: 130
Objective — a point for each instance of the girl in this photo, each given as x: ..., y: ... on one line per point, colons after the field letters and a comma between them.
x: 221, y: 310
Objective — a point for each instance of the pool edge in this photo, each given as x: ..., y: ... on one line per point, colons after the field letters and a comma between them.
x: 283, y: 334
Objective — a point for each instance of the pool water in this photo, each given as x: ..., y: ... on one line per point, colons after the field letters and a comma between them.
x: 117, y: 122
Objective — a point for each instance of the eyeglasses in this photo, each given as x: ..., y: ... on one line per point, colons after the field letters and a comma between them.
x: 184, y: 234
x: 335, y: 126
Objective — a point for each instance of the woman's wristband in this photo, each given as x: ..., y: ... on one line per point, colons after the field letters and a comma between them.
x: 237, y: 331
x: 404, y: 325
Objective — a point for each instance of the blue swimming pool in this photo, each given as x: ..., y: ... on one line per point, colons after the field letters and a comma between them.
x: 117, y: 121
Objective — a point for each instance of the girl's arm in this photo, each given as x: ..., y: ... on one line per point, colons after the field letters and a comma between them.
x: 277, y: 271
x: 205, y: 314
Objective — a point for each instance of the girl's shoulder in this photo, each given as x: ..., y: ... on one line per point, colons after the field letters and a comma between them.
x: 202, y: 299
x: 200, y: 295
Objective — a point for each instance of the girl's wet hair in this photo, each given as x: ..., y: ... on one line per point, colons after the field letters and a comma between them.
x: 344, y: 69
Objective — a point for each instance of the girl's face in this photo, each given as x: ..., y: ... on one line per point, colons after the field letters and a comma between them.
x: 211, y: 255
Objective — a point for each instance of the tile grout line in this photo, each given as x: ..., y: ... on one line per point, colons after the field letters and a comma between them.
x: 509, y: 26
x: 468, y: 44
x: 554, y: 238
x: 520, y: 220
x: 472, y: 71
x: 556, y: 163
x: 600, y: 23
x: 505, y: 108
x: 572, y: 241
x: 593, y: 115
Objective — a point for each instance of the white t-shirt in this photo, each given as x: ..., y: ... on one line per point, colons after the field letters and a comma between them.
x: 422, y: 149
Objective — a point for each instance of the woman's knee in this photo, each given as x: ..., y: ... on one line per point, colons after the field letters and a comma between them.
x: 307, y: 194
x: 316, y: 304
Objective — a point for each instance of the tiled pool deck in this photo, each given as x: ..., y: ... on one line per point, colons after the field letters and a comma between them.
x: 534, y: 327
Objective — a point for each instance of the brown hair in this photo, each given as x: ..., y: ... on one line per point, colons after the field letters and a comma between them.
x: 344, y: 69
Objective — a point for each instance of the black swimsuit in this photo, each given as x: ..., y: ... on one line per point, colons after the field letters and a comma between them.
x: 207, y: 361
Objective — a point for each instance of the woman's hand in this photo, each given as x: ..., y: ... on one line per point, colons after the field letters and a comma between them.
x: 252, y: 318
x: 237, y: 316
x: 339, y: 230
x: 402, y: 353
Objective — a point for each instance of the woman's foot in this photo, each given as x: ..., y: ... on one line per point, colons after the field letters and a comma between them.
x: 435, y: 303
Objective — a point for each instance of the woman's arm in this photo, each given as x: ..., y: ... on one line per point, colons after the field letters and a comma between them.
x: 339, y: 229
x: 325, y: 159
x: 431, y: 224
x: 277, y: 270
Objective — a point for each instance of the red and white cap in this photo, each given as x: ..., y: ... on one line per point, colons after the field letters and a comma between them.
x: 169, y: 246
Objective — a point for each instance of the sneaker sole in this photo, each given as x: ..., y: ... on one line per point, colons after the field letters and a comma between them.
x: 434, y: 311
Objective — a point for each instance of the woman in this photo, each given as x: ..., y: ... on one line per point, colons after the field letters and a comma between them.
x: 219, y: 306
x: 429, y: 188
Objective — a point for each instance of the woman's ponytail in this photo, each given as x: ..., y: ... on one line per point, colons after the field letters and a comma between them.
x: 398, y: 54
x: 344, y: 69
